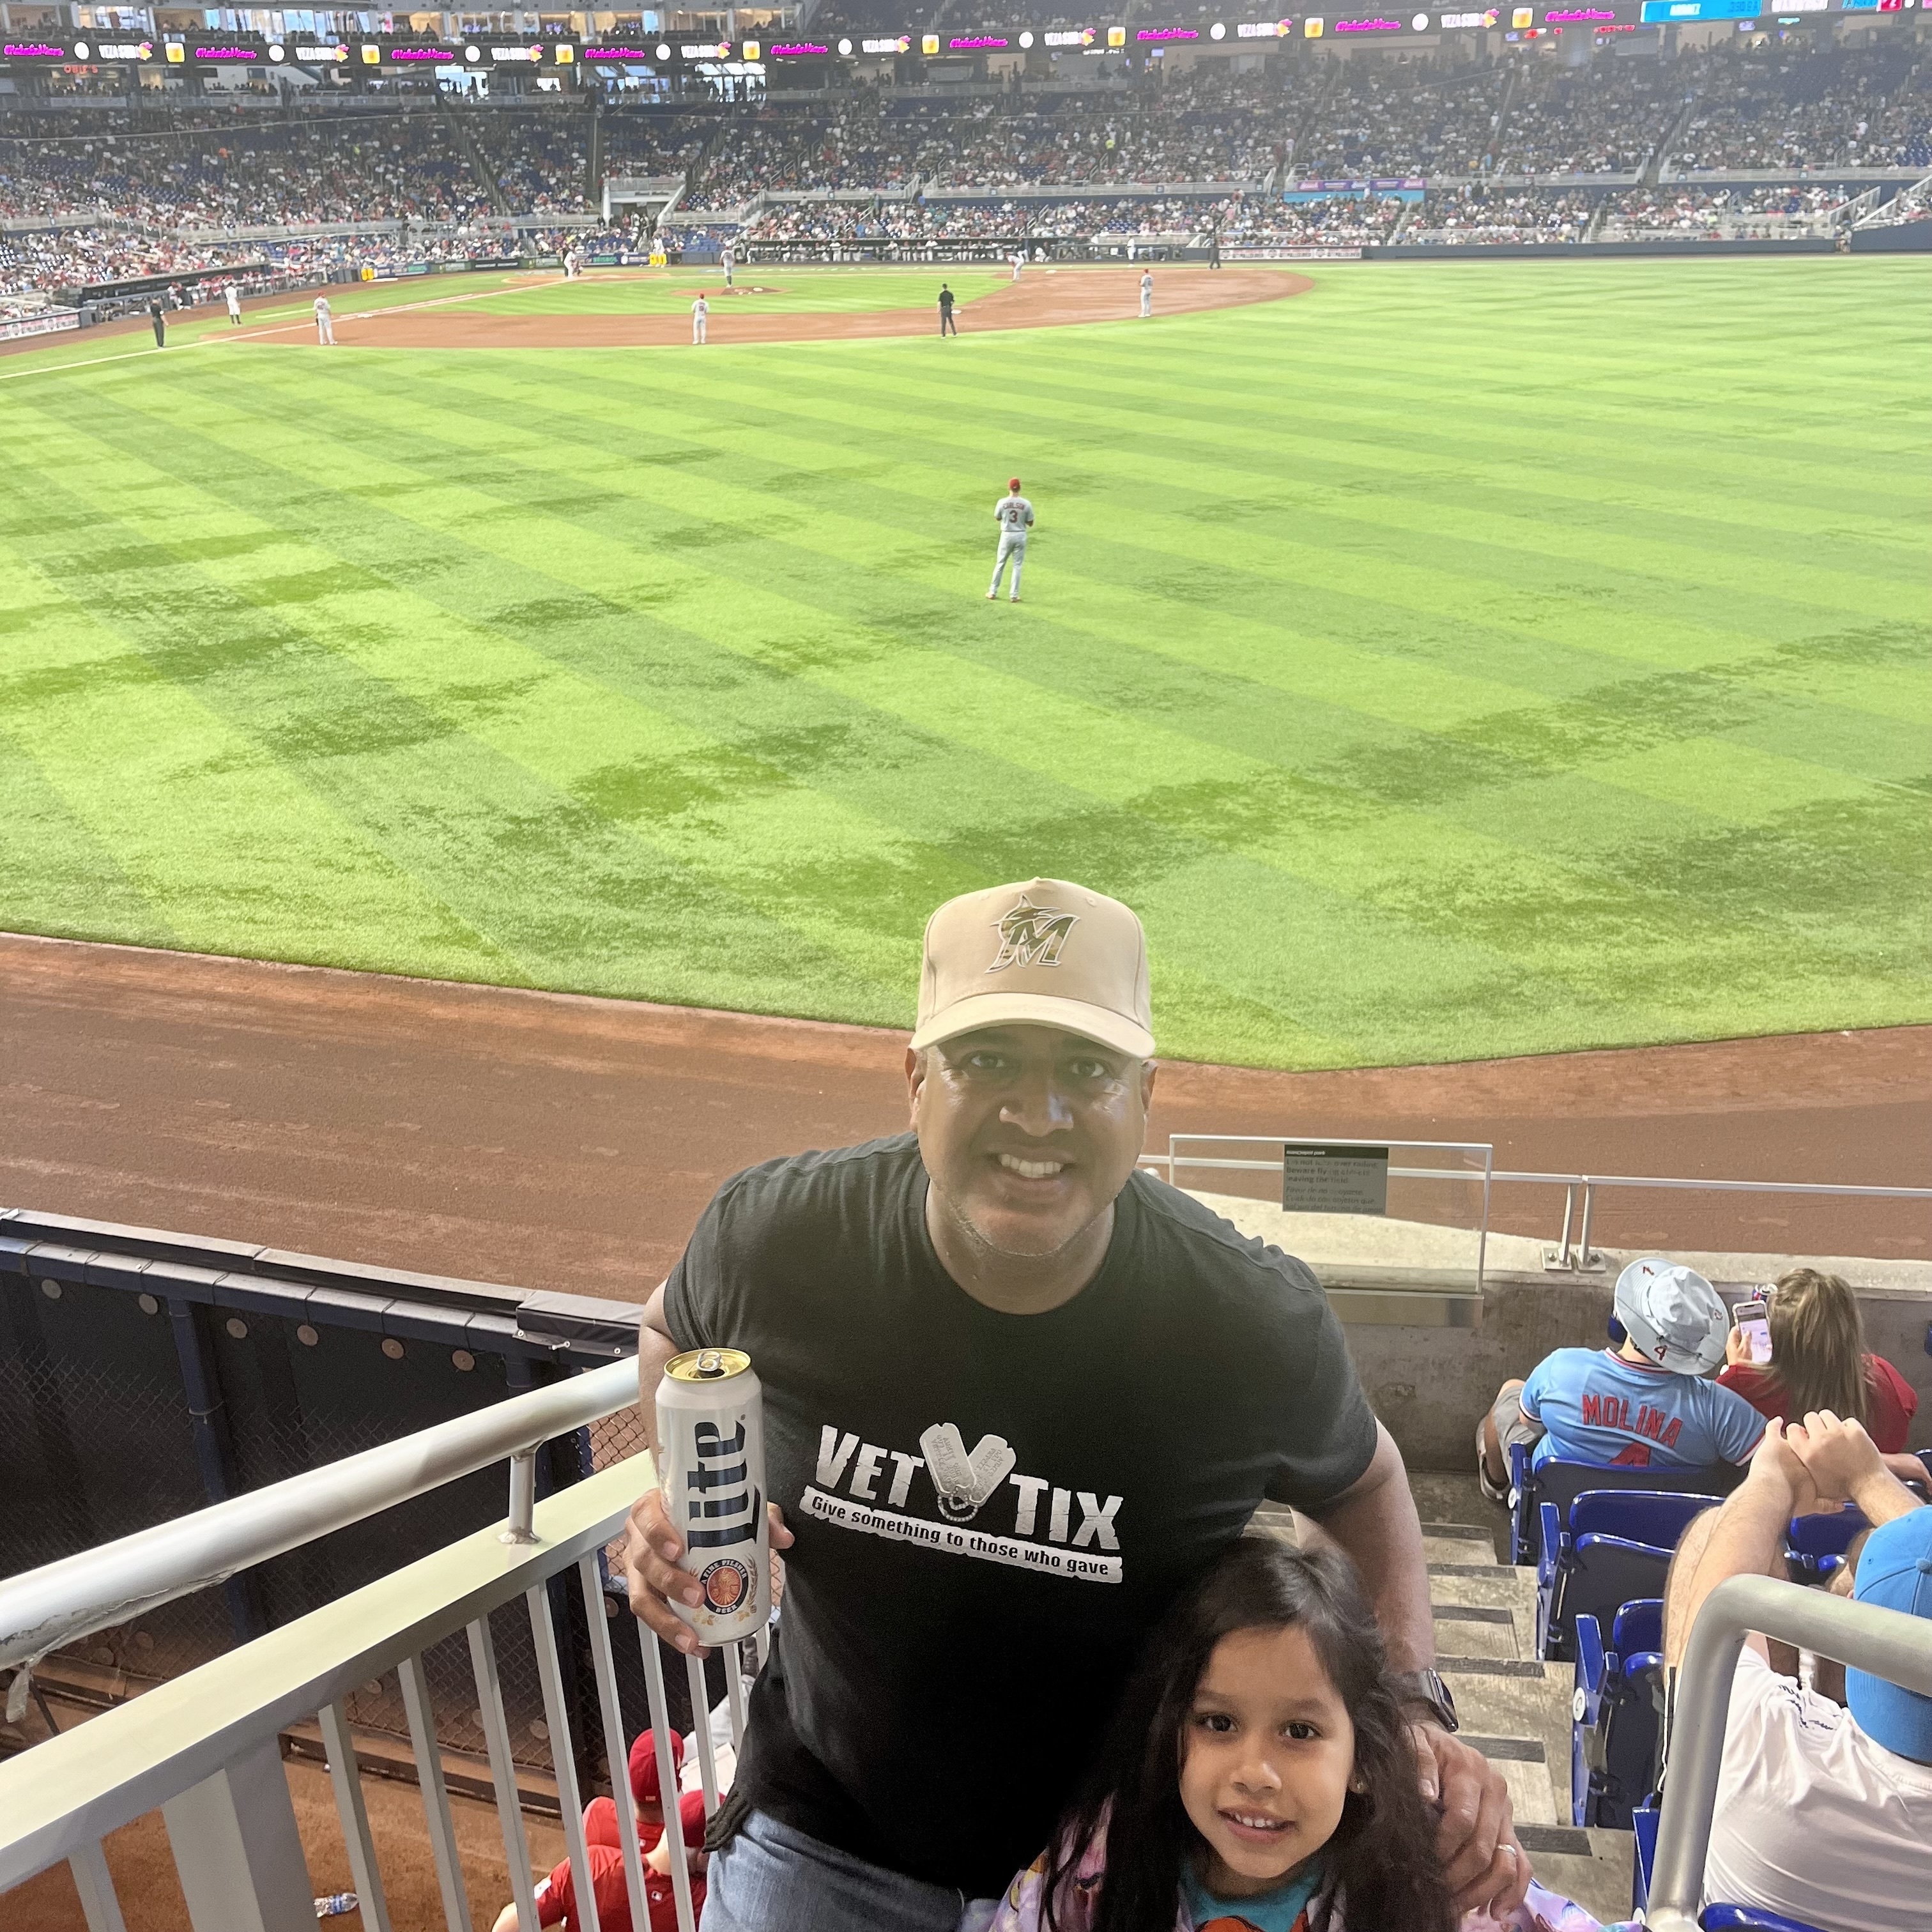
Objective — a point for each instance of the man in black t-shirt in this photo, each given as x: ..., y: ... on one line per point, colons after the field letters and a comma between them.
x: 946, y: 302
x: 1017, y: 1395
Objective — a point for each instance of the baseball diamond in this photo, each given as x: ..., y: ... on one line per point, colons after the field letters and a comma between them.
x: 1406, y: 617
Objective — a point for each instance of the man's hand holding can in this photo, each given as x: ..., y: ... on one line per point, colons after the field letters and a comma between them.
x: 653, y: 1566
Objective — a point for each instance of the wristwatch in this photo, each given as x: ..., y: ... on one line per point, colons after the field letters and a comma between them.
x: 1426, y: 1686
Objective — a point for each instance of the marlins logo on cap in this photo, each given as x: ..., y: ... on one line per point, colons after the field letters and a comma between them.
x: 1031, y: 935
x: 1059, y: 956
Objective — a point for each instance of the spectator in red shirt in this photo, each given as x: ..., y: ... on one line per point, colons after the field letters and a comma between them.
x: 1818, y: 1361
x: 556, y: 1895
x: 600, y: 1815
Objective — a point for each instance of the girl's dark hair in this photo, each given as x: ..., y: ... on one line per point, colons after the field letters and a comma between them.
x: 1381, y: 1860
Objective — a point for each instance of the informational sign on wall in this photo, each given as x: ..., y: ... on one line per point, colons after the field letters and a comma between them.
x: 1317, y: 1178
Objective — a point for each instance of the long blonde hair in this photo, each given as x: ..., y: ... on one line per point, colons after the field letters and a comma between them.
x: 1818, y: 1345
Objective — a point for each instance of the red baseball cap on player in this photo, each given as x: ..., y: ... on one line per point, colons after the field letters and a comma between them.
x: 644, y: 1785
x: 1013, y: 483
x: 690, y: 1819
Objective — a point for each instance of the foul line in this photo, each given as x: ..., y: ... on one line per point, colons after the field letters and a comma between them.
x: 88, y: 362
x: 399, y: 308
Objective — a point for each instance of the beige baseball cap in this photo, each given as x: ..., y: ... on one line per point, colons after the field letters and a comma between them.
x: 1044, y: 953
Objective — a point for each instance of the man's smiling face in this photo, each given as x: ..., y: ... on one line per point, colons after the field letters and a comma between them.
x: 1027, y: 1132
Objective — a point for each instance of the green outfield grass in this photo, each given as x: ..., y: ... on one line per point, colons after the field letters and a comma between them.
x: 1459, y: 660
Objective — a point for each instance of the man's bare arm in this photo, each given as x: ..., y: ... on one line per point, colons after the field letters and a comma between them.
x: 1842, y: 1461
x: 1375, y: 1521
x: 1745, y: 1537
x: 655, y: 1348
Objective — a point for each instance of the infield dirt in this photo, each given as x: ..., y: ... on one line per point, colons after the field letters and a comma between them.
x: 556, y: 1142
x: 1046, y: 299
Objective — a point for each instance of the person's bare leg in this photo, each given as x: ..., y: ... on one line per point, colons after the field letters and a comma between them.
x: 1494, y: 1460
x: 1684, y: 1562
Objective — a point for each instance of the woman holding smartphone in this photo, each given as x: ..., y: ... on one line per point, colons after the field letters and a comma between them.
x: 1817, y: 1359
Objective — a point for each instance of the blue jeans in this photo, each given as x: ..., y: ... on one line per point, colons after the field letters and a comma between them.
x: 772, y: 1879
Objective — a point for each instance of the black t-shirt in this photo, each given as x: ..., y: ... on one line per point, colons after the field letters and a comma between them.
x: 946, y: 299
x: 992, y: 1510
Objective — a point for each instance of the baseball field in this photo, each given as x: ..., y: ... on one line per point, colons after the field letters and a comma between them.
x: 1449, y: 662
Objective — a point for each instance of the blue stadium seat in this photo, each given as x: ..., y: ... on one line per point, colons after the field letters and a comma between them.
x: 1655, y: 1517
x: 1643, y: 1834
x: 1615, y: 1549
x: 1562, y: 1483
x: 1616, y: 1713
x: 1814, y: 1545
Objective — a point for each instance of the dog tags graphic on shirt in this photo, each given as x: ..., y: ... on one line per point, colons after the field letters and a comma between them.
x: 964, y: 1482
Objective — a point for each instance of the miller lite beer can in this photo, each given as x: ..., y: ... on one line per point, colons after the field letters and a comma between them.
x: 712, y: 1468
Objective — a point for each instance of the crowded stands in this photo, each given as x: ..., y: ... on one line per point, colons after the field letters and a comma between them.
x: 94, y: 195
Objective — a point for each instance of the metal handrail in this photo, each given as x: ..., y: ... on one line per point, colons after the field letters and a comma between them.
x: 76, y: 1787
x: 1485, y: 1174
x: 1887, y: 1643
x: 63, y: 1602
x: 1569, y: 1183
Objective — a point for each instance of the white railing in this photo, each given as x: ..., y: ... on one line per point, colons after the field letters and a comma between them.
x: 1562, y: 1256
x: 205, y: 1748
x: 1887, y: 1643
x: 1175, y: 1160
x: 1908, y: 205
x: 63, y: 1602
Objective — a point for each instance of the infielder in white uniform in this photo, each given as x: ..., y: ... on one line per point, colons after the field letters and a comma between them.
x: 728, y: 263
x: 325, y: 322
x: 232, y: 295
x: 1019, y: 264
x: 1014, y: 515
x: 1147, y: 293
x: 700, y: 311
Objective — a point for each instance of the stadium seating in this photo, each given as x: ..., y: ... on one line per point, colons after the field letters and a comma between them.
x: 122, y: 190
x: 1614, y: 1549
x: 1713, y: 1917
x: 1561, y: 1483
x: 1815, y: 1545
x: 1617, y: 1714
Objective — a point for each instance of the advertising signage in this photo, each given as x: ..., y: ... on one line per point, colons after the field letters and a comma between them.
x: 27, y: 51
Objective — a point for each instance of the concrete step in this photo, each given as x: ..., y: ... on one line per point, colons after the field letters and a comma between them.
x: 1456, y: 1543
x: 1491, y: 1586
x: 1515, y: 1709
x: 1520, y: 1761
x: 1592, y: 1868
x: 1476, y: 1630
x: 1518, y: 1698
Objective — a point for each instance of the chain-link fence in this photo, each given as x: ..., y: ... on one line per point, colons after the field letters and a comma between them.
x: 121, y: 1408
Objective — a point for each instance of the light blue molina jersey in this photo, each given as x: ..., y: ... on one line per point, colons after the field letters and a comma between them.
x: 1014, y: 514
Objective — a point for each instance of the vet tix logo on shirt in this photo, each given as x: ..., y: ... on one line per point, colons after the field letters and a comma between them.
x: 885, y: 1489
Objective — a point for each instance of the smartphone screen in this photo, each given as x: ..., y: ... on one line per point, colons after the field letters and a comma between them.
x: 1752, y: 1318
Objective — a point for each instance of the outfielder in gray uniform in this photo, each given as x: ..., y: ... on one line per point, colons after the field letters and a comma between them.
x: 1014, y: 514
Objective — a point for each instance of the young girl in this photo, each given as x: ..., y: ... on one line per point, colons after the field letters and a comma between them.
x: 1259, y: 1777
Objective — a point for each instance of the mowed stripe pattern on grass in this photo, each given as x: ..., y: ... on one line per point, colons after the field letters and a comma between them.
x: 1441, y: 668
